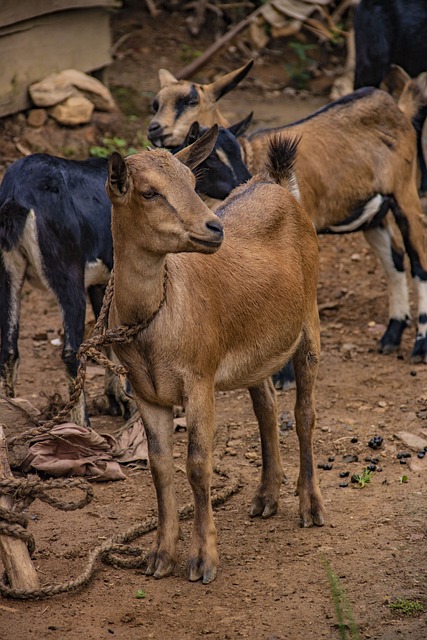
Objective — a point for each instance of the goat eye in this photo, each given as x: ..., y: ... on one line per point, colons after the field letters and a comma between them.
x: 148, y: 194
x: 155, y: 106
x: 193, y: 102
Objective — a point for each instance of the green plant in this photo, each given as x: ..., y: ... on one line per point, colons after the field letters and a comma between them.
x: 403, y: 479
x: 341, y: 604
x: 406, y: 607
x: 112, y: 144
x: 140, y: 594
x: 298, y: 71
x: 363, y: 478
x: 188, y: 53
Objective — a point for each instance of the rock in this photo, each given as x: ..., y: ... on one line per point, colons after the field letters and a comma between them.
x: 58, y: 87
x: 37, y: 117
x: 73, y: 111
x: 411, y: 440
x: 418, y: 465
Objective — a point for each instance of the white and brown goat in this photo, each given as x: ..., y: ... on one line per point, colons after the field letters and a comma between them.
x: 179, y: 103
x: 233, y: 297
x: 356, y: 162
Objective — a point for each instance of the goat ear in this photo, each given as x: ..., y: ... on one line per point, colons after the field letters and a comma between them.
x: 223, y: 85
x: 193, y: 155
x: 394, y: 81
x: 166, y: 77
x: 117, y: 174
x: 239, y: 128
x: 193, y: 134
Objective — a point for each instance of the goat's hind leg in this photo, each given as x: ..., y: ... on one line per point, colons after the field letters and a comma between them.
x: 408, y: 215
x: 306, y: 362
x: 12, y: 274
x: 266, y: 499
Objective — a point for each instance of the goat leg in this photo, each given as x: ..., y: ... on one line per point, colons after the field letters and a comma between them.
x: 306, y: 362
x: 384, y: 244
x: 266, y: 499
x: 200, y: 413
x: 12, y: 273
x: 158, y: 422
x: 408, y: 215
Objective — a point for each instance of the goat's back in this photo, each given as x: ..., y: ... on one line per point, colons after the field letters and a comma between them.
x: 364, y: 134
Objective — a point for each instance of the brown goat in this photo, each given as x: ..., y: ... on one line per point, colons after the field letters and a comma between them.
x: 357, y: 161
x: 216, y: 324
x: 179, y: 103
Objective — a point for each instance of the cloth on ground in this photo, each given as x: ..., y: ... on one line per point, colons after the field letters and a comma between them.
x: 69, y: 449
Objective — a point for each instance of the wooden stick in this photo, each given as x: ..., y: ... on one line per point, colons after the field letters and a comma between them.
x: 13, y: 551
x: 197, y: 64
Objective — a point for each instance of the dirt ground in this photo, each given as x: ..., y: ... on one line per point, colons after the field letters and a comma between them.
x: 272, y: 583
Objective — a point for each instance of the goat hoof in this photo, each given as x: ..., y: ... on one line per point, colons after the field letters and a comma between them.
x: 159, y: 566
x: 198, y: 570
x: 390, y: 341
x: 313, y: 516
x: 264, y: 507
x: 419, y: 352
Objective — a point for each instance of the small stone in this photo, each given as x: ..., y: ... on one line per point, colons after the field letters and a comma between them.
x: 350, y: 458
x: 37, y: 117
x: 411, y: 440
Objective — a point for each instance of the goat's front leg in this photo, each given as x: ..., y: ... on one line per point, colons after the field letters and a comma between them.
x: 158, y: 422
x: 306, y: 363
x: 200, y: 414
x: 66, y: 280
x: 266, y: 499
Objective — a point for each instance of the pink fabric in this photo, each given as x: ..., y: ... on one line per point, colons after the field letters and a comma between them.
x: 69, y: 449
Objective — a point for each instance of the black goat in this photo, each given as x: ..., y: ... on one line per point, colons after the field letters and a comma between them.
x: 55, y: 231
x: 392, y: 32
x: 224, y: 169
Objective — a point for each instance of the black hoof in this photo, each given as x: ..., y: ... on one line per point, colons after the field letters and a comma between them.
x: 390, y: 342
x: 419, y: 352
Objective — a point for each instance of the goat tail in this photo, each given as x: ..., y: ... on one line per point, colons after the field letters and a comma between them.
x: 12, y: 222
x: 280, y: 165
